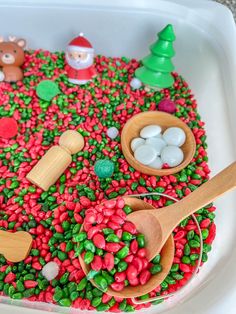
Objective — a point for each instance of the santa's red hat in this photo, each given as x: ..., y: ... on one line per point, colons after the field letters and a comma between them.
x: 80, y: 43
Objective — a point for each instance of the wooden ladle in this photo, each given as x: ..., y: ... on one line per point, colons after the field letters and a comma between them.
x: 167, y: 255
x: 15, y: 247
x: 158, y: 224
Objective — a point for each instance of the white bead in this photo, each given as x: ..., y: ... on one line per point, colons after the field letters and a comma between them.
x: 150, y: 131
x: 156, y: 164
x: 145, y: 154
x: 50, y: 270
x: 172, y: 155
x: 112, y: 132
x: 157, y: 143
x: 135, y: 83
x: 136, y: 142
x: 174, y: 136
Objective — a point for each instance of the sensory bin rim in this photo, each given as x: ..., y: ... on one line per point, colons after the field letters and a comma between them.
x: 30, y: 305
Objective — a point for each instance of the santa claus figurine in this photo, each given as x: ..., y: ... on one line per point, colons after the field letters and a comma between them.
x: 79, y: 58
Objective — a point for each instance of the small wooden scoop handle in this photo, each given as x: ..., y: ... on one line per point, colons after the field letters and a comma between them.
x: 205, y: 194
x: 15, y: 247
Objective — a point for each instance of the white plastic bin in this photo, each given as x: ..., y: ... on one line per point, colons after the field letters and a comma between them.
x: 205, y: 56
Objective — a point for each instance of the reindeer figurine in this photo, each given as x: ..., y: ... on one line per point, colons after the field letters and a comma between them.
x: 11, y: 58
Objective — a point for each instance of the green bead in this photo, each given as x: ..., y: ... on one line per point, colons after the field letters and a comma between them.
x: 194, y: 257
x: 205, y: 233
x: 186, y: 260
x: 126, y: 236
x: 190, y: 235
x: 69, y: 246
x: 107, y: 231
x: 62, y: 256
x: 122, y: 265
x: 80, y: 236
x: 112, y: 238
x: 65, y: 302
x: 174, y: 268
x: 74, y: 295
x: 88, y: 257
x: 29, y: 292
x: 108, y: 277
x: 204, y: 257
x: 89, y: 246
x: 187, y: 249
x: 76, y: 230
x: 103, y: 307
x: 64, y: 278
x: 156, y: 259
x: 96, y: 301
x: 97, y: 293
x: 177, y: 276
x: 194, y: 244
x: 104, y: 168
x: 122, y: 253
x: 127, y: 209
x: 141, y: 240
x: 20, y: 286
x: 101, y: 282
x: 129, y: 308
x: 17, y: 296
x: 122, y: 305
x: 99, y: 252
x: 155, y: 269
x: 82, y: 284
x: 206, y: 247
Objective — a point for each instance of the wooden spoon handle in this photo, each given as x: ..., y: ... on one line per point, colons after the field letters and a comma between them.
x: 205, y: 194
x: 15, y: 247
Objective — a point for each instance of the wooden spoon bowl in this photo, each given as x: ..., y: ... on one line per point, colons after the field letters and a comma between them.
x: 158, y: 224
x: 15, y: 247
x: 132, y: 129
x: 167, y: 256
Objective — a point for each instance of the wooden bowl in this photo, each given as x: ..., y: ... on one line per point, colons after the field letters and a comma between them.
x: 167, y: 256
x: 133, y: 127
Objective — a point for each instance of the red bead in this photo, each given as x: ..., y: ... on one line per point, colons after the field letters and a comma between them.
x: 131, y: 272
x: 10, y: 277
x: 119, y: 277
x: 134, y: 281
x: 129, y: 227
x: 138, y: 264
x: 96, y: 263
x: 110, y: 204
x: 99, y: 241
x: 92, y: 231
x: 117, y: 286
x: 144, y: 276
x: 112, y: 247
x: 90, y: 218
x: 30, y: 284
x: 134, y: 246
x: 109, y: 261
x: 142, y: 252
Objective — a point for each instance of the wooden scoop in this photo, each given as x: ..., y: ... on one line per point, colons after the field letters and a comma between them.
x: 167, y: 255
x: 158, y: 224
x: 15, y: 247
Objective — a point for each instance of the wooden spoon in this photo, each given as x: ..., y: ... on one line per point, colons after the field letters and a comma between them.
x: 158, y: 224
x: 167, y: 255
x: 15, y: 247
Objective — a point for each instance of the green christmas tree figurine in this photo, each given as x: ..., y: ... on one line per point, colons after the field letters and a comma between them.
x: 157, y: 67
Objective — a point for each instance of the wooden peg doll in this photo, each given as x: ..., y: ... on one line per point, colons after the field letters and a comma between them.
x: 52, y: 165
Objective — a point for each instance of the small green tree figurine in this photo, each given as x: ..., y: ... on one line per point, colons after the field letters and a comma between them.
x: 157, y: 67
